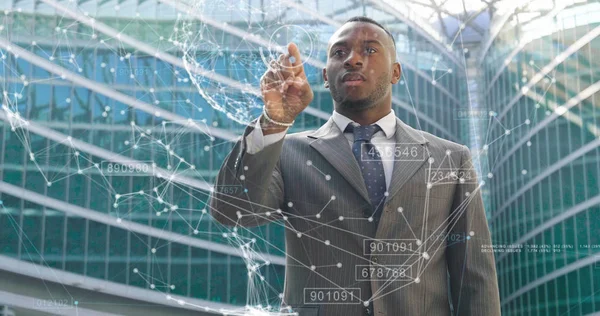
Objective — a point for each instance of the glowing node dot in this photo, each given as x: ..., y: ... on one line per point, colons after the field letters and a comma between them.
x: 339, y: 264
x: 400, y: 210
x: 135, y: 270
x: 417, y: 280
x: 333, y: 197
x: 425, y: 255
x: 318, y: 216
x: 327, y: 242
x: 370, y: 219
x: 313, y: 268
x: 341, y: 218
x: 523, y: 172
x: 490, y: 175
x: 299, y: 235
x: 290, y: 204
x: 529, y: 144
x: 327, y: 177
x: 471, y: 233
x: 153, y: 250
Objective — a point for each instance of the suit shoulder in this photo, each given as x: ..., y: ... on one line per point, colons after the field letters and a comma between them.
x: 436, y: 142
x: 298, y: 137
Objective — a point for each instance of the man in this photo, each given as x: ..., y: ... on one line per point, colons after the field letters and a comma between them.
x: 381, y: 219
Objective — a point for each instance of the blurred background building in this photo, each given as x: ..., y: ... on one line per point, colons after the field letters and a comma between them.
x: 117, y: 114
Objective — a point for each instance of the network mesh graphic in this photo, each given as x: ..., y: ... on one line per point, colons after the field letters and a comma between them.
x: 189, y: 42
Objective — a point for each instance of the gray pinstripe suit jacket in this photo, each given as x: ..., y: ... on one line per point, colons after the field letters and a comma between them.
x: 447, y: 222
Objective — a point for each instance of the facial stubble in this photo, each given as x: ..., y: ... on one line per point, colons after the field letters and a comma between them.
x: 382, y: 86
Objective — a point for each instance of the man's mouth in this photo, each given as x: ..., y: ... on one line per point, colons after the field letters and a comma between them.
x: 353, y: 78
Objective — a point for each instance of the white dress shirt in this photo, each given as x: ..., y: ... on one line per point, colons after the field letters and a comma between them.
x: 256, y: 141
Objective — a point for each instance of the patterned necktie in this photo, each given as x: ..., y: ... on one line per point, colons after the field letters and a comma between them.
x: 369, y: 161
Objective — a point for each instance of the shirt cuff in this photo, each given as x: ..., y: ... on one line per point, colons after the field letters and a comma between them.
x: 256, y: 141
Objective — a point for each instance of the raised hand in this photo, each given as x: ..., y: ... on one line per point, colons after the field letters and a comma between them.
x: 284, y: 87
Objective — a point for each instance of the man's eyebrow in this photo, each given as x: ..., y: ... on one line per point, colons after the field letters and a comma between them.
x: 370, y: 41
x: 338, y: 43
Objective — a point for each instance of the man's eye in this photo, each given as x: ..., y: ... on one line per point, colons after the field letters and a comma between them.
x: 338, y: 52
x: 371, y: 50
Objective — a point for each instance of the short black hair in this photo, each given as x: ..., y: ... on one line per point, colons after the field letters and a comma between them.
x: 369, y: 20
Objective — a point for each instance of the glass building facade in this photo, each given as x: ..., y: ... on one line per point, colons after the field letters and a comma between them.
x: 108, y: 150
x: 541, y: 82
x: 79, y: 100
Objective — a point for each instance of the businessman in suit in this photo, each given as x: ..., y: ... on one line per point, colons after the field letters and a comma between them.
x: 381, y: 218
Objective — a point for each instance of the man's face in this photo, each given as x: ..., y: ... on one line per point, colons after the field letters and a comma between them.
x: 360, y: 66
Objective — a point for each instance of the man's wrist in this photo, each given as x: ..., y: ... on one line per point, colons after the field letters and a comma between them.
x: 270, y: 128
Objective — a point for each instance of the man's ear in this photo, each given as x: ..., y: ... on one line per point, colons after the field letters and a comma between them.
x: 326, y: 83
x: 396, y: 72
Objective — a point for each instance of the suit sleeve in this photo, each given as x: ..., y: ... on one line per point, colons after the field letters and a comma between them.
x: 256, y: 141
x: 248, y: 189
x: 473, y: 280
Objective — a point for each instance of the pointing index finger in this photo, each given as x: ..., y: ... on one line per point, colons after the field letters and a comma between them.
x: 295, y: 59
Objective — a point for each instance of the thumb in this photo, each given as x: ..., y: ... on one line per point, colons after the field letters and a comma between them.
x: 300, y: 84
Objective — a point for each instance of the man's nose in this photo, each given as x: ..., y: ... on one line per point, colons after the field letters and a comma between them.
x: 354, y: 60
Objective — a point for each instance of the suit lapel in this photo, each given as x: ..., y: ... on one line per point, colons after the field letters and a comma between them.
x: 331, y: 143
x: 404, y: 169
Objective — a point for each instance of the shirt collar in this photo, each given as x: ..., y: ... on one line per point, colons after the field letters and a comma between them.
x: 386, y: 123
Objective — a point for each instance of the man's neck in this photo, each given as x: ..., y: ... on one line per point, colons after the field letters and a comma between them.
x: 367, y: 116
